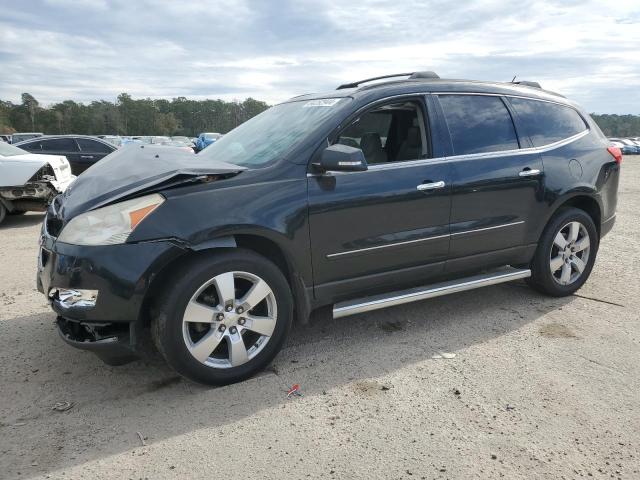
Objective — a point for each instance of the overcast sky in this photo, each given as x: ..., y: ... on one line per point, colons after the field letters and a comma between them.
x: 95, y: 49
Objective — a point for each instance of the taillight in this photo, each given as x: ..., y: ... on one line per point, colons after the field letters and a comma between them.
x: 615, y: 153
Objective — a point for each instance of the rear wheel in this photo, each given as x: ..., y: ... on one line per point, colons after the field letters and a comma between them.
x: 225, y: 318
x: 566, y: 253
x: 3, y: 212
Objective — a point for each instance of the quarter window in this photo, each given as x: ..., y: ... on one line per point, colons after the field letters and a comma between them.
x: 547, y: 122
x: 478, y: 124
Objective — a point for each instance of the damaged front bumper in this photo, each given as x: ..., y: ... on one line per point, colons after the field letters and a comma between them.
x: 111, y: 342
x: 99, y: 292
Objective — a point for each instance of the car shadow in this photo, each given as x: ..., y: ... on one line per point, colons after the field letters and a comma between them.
x: 109, y: 405
x: 22, y: 221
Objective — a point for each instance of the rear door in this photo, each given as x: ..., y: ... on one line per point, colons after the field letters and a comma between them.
x: 498, y: 184
x: 91, y: 151
x: 63, y: 146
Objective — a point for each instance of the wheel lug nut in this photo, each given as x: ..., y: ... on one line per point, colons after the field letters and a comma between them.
x: 241, y: 321
x: 222, y: 328
x: 233, y: 330
x: 220, y: 317
x: 228, y: 308
x: 239, y: 310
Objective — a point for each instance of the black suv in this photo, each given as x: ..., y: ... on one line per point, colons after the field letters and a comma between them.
x: 372, y: 195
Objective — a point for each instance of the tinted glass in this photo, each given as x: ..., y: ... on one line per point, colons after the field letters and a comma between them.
x: 32, y: 147
x: 478, y: 124
x: 546, y: 122
x: 87, y: 145
x: 59, y: 145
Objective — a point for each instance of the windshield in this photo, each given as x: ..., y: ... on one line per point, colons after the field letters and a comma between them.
x: 7, y: 150
x: 270, y: 135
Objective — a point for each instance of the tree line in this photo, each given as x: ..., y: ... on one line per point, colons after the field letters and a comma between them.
x: 179, y: 116
x: 127, y: 116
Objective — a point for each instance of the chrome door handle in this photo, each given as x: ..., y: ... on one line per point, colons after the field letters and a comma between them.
x: 86, y: 156
x: 430, y: 186
x: 529, y: 173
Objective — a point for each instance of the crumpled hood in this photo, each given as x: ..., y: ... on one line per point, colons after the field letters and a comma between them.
x: 133, y: 169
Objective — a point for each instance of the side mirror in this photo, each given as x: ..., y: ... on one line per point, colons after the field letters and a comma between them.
x: 342, y: 158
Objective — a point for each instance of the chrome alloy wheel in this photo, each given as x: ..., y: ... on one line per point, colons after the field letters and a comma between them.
x: 569, y: 253
x: 229, y: 319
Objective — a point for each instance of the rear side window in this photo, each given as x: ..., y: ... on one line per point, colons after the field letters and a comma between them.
x: 478, y: 124
x: 59, y: 145
x: 92, y: 146
x: 546, y: 122
x: 32, y: 147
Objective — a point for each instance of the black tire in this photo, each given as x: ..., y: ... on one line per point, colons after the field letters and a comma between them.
x: 3, y: 212
x: 542, y: 278
x: 167, y: 325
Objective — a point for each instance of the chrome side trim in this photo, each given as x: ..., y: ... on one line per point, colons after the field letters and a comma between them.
x: 425, y: 239
x: 488, y: 228
x: 344, y: 309
x: 378, y: 247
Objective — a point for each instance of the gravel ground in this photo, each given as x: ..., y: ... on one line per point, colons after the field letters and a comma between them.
x: 538, y: 388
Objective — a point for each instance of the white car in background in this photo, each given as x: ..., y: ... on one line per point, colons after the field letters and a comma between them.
x: 29, y: 181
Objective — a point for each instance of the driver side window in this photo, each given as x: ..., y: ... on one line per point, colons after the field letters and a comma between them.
x: 388, y: 133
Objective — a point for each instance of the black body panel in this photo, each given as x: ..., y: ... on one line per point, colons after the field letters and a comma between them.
x: 339, y: 235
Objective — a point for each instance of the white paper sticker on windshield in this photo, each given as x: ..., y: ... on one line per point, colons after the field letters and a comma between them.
x: 321, y: 102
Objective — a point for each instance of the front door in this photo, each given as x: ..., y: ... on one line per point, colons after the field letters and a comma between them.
x: 387, y: 226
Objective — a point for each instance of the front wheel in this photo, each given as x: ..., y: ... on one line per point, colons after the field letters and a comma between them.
x: 225, y: 318
x: 566, y: 253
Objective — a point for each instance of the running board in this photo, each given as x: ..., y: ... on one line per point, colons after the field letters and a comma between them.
x: 376, y: 302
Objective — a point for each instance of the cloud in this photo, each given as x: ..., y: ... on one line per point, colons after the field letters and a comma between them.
x: 88, y: 50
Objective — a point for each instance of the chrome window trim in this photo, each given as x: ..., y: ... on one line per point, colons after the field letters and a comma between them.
x: 425, y: 239
x: 470, y: 156
x: 510, y: 95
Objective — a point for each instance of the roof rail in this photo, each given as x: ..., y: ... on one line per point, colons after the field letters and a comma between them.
x: 411, y: 75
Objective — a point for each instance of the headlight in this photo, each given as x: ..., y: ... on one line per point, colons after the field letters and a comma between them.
x: 109, y: 225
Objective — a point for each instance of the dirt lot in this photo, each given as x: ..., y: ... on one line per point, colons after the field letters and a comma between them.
x: 539, y: 387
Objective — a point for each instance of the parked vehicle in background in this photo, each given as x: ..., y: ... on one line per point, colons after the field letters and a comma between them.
x: 114, y: 140
x: 628, y: 147
x: 185, y: 140
x: 159, y: 139
x: 28, y: 182
x: 206, y: 139
x: 82, y: 151
x: 19, y: 137
x: 476, y: 183
x: 6, y: 138
x: 181, y: 145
